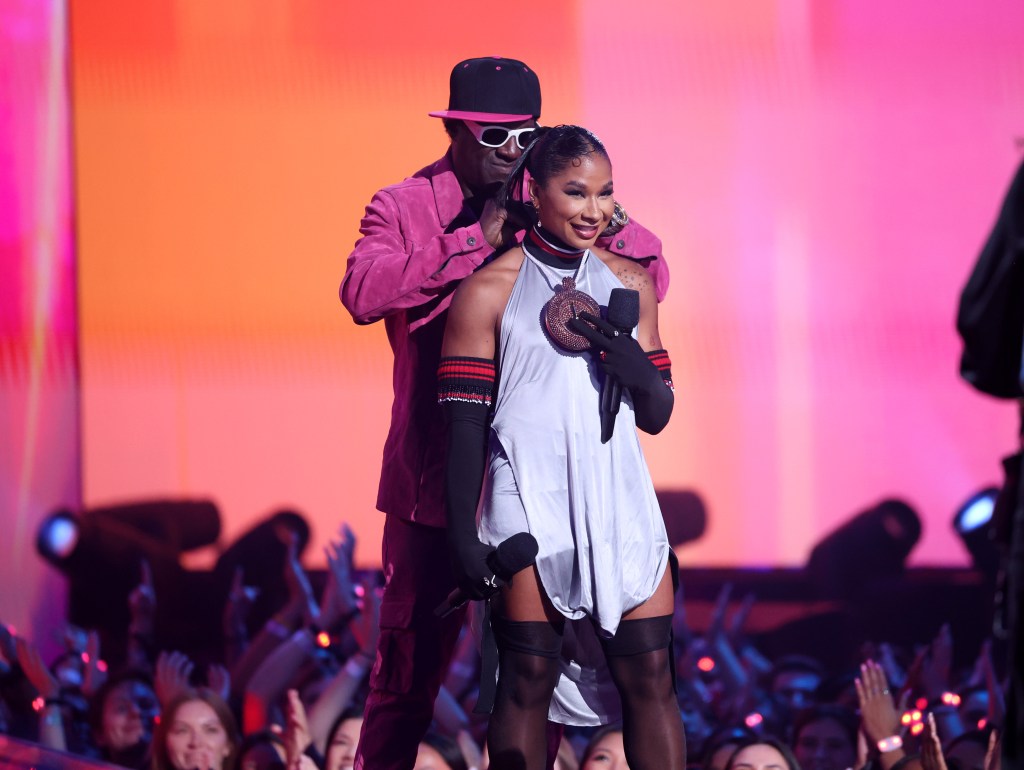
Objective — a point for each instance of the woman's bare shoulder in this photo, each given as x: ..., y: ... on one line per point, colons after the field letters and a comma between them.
x: 630, y: 273
x: 493, y: 281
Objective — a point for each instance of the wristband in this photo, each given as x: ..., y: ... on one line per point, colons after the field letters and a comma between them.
x: 662, y: 362
x: 891, y: 743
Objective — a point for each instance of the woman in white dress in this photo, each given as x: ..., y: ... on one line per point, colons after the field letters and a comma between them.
x: 525, y: 357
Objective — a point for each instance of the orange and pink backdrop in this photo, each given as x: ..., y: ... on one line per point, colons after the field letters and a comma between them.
x: 822, y: 175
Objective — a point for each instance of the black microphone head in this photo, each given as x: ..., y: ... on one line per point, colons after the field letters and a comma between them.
x: 512, y: 555
x: 624, y: 308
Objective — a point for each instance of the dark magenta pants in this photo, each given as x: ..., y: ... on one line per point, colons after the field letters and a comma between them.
x: 415, y: 647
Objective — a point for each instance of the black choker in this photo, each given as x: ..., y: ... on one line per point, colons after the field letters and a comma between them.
x: 550, y: 250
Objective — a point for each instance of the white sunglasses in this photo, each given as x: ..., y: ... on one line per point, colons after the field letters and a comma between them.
x: 497, y: 136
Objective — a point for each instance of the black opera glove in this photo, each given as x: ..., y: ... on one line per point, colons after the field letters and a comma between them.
x: 467, y: 441
x: 621, y: 357
x: 469, y: 563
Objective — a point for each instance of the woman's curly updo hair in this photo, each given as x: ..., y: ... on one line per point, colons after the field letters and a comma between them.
x: 550, y: 151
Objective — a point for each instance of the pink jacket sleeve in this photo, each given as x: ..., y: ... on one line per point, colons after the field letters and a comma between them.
x: 404, y: 260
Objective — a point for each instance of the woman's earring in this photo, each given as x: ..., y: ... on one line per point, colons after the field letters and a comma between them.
x: 619, y: 220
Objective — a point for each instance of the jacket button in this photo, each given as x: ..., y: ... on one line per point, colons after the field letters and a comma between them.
x: 471, y: 241
x: 620, y: 244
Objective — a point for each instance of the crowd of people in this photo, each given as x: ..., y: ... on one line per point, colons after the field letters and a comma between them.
x: 290, y: 695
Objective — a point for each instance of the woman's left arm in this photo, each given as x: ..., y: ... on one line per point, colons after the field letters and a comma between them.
x: 654, y: 399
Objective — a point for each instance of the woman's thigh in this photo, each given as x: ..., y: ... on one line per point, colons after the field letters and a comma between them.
x: 662, y: 602
x: 524, y: 599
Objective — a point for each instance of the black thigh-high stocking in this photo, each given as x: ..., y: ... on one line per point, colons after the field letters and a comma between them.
x: 528, y: 671
x: 652, y: 728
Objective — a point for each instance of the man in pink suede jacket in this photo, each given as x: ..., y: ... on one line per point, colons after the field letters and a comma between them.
x: 420, y: 237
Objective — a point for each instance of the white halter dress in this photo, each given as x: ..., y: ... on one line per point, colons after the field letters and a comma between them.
x: 591, y: 506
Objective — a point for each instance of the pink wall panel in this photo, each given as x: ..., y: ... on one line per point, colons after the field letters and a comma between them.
x: 822, y: 175
x: 39, y: 432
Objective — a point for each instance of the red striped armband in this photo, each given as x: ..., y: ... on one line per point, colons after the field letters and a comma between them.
x: 664, y: 365
x: 470, y: 380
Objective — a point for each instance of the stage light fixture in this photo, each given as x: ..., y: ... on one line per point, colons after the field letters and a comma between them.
x: 101, y: 550
x: 870, y: 548
x: 973, y: 524
x: 117, y: 537
x: 58, y: 537
x: 976, y: 512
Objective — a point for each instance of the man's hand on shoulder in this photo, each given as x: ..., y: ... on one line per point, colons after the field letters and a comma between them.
x: 494, y: 222
x: 500, y: 225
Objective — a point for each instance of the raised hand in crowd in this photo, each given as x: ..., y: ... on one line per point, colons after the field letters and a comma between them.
x: 218, y: 679
x: 365, y: 625
x: 935, y: 665
x: 338, y: 695
x: 338, y: 603
x: 880, y: 719
x: 894, y: 673
x: 730, y: 698
x: 299, y: 590
x: 95, y: 674
x: 727, y: 691
x: 51, y: 725
x: 930, y: 676
x: 994, y: 755
x: 273, y: 660
x: 37, y: 672
x: 996, y: 694
x: 297, y: 737
x: 931, y: 746
x: 755, y: 665
x: 173, y: 676
x: 142, y: 628
x: 236, y: 612
x: 297, y: 611
x: 690, y: 648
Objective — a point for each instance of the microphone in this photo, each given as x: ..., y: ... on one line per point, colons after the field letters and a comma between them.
x: 624, y: 315
x: 512, y: 555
